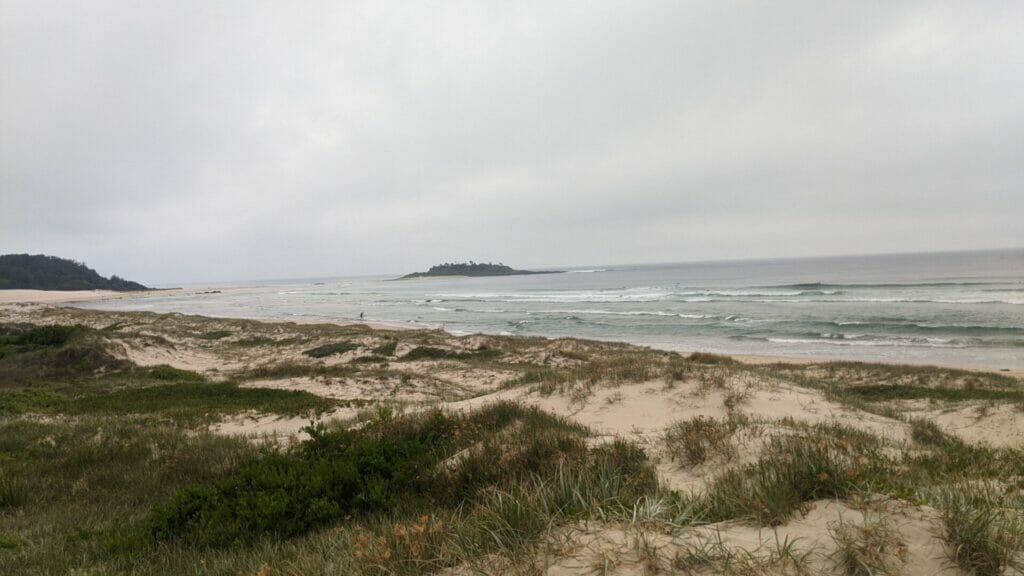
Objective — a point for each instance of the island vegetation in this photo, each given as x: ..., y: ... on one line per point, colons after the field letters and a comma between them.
x: 472, y: 268
x: 42, y: 272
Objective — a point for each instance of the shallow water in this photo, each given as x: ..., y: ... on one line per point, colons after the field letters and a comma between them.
x: 962, y: 308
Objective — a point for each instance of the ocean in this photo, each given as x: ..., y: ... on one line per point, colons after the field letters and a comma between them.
x: 961, y: 309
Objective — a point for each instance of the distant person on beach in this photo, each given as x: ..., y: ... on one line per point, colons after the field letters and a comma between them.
x: 360, y: 315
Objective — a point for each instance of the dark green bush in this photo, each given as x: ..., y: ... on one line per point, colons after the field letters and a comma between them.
x: 431, y: 353
x: 332, y: 475
x: 388, y: 464
x: 55, y: 335
x: 13, y: 492
x: 386, y: 349
x: 928, y: 433
x: 172, y: 374
x: 708, y: 358
x: 27, y: 337
x: 214, y: 335
x: 330, y: 349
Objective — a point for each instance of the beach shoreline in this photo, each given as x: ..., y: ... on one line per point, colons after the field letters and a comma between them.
x: 57, y: 297
x: 68, y: 298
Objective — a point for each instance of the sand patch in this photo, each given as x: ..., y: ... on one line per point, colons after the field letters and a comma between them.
x: 285, y: 428
x: 647, y: 408
x: 145, y: 353
x: 997, y: 425
x: 399, y: 387
x: 59, y: 296
x: 642, y: 412
x: 915, y: 548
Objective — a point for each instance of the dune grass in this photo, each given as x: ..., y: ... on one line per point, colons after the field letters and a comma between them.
x: 409, y: 493
x: 105, y: 467
x: 692, y: 442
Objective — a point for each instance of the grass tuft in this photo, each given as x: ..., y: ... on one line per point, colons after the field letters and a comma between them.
x: 793, y: 470
x: 874, y: 548
x: 692, y: 442
x: 986, y: 537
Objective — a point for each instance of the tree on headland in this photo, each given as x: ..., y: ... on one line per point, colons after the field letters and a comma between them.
x: 41, y: 272
x: 472, y: 268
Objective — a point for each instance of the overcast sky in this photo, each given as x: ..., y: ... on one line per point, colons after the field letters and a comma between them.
x: 190, y: 141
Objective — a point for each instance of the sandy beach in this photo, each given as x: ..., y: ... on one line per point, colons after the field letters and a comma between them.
x: 60, y: 296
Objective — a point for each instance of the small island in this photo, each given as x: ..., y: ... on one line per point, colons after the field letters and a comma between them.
x: 42, y: 272
x: 473, y: 269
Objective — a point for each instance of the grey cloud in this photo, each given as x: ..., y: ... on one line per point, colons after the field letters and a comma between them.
x: 191, y: 141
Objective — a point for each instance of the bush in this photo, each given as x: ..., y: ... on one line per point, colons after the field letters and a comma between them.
x: 707, y: 358
x: 55, y: 335
x: 386, y: 349
x: 214, y: 335
x: 431, y: 353
x: 13, y: 492
x: 23, y: 338
x: 928, y: 433
x: 172, y: 374
x: 390, y: 463
x: 330, y: 349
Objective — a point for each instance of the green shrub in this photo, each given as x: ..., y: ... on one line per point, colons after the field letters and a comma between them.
x: 332, y: 475
x: 928, y: 433
x: 55, y: 335
x: 214, y: 335
x: 386, y: 349
x: 882, y: 392
x: 172, y: 374
x: 707, y: 358
x: 198, y: 400
x: 13, y: 492
x: 330, y: 349
x: 389, y: 463
x: 10, y: 540
x: 432, y: 353
x: 32, y: 401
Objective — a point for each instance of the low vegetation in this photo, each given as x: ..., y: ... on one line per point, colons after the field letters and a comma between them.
x: 330, y: 349
x: 433, y: 353
x: 693, y: 442
x: 108, y: 466
x: 70, y: 370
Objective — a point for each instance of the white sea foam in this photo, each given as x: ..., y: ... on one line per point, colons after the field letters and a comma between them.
x: 924, y: 343
x: 594, y: 296
x: 601, y: 312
